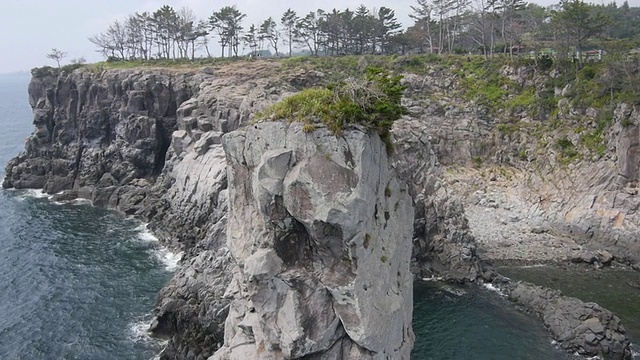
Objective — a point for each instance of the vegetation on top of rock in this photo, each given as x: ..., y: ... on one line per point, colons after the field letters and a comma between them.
x: 373, y: 101
x: 56, y: 55
x: 567, y: 29
x: 42, y: 72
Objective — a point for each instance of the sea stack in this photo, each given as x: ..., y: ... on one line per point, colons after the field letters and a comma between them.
x: 321, y: 230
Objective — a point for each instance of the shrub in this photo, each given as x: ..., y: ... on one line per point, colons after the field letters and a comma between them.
x: 545, y: 63
x: 373, y: 101
x: 302, y: 106
x: 42, y: 72
x: 567, y: 149
x: 626, y: 122
x: 564, y: 143
x: 587, y: 73
x: 477, y: 161
x: 523, y: 101
x: 69, y: 68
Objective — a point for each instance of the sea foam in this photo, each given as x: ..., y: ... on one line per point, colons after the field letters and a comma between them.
x: 491, y: 287
x: 635, y: 352
x: 40, y: 194
x: 169, y: 259
x: 81, y: 201
x: 145, y: 235
x: 37, y: 193
x: 165, y: 256
x: 139, y: 331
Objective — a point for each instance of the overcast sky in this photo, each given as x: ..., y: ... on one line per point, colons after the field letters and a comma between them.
x: 31, y: 28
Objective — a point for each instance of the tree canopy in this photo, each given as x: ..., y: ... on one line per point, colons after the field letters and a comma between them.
x: 483, y: 27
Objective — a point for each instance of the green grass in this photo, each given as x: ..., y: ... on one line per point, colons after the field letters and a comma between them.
x: 168, y: 62
x: 309, y: 106
x: 133, y: 64
x: 373, y: 101
x: 568, y: 152
x: 475, y: 80
x: 482, y: 81
x: 526, y: 100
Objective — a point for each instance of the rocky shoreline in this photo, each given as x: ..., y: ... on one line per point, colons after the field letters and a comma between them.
x: 149, y: 143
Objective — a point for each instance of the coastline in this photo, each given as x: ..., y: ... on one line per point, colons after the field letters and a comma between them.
x: 184, y: 195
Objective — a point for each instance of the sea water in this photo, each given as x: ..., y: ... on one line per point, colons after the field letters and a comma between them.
x: 76, y: 282
x: 472, y: 322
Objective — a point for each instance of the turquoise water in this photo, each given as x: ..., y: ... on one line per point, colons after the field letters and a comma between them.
x: 475, y: 323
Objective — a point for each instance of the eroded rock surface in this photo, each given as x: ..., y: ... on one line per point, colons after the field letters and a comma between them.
x: 443, y: 243
x: 579, y: 327
x: 146, y: 142
x: 321, y: 231
x: 592, y: 202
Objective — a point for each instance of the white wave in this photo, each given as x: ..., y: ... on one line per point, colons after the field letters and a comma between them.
x: 37, y: 193
x: 453, y: 290
x: 145, y: 235
x: 581, y: 356
x: 82, y: 201
x: 491, y: 287
x: 168, y: 258
x: 532, y: 266
x: 139, y: 331
x: 635, y: 353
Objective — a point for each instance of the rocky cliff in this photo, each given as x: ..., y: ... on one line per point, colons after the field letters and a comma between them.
x: 146, y: 142
x: 263, y: 225
x: 533, y: 179
x: 321, y: 231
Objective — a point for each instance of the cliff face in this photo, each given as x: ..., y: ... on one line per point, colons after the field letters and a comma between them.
x: 162, y: 145
x: 512, y: 169
x: 121, y: 121
x: 321, y: 231
x: 146, y: 142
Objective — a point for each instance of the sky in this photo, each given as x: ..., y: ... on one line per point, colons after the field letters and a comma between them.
x: 29, y: 29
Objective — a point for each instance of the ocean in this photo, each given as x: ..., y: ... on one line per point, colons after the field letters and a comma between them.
x: 80, y: 283
x: 77, y: 282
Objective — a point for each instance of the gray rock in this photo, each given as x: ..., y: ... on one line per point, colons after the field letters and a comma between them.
x: 539, y: 230
x: 321, y: 231
x: 576, y: 325
x: 604, y: 257
x: 443, y: 244
x: 146, y: 142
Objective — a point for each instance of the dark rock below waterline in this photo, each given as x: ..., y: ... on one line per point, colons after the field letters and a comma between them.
x: 579, y: 327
